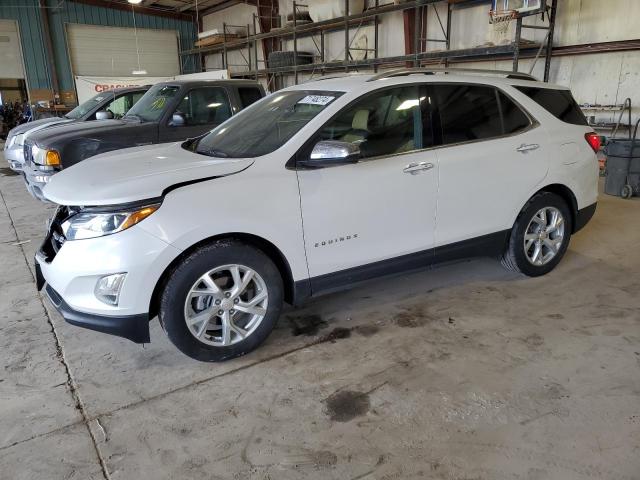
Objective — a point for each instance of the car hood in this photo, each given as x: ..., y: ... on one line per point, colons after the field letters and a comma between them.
x: 45, y: 137
x: 135, y: 174
x: 30, y: 127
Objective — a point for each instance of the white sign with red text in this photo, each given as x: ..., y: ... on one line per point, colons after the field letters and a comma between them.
x: 87, y: 87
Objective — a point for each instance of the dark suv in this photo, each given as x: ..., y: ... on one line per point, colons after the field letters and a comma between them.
x: 108, y: 104
x: 168, y: 112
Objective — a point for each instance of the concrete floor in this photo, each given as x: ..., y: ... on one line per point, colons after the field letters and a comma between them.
x: 462, y: 372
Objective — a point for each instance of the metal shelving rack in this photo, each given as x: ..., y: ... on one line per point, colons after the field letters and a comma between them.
x: 420, y: 56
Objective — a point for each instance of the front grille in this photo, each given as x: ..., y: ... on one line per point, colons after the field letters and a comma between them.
x: 55, y: 236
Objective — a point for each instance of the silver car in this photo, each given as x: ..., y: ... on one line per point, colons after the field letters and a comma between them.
x: 108, y: 104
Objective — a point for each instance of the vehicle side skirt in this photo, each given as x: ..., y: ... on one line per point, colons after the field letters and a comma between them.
x: 491, y: 245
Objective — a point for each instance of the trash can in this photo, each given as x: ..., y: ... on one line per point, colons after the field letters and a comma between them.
x: 623, y: 167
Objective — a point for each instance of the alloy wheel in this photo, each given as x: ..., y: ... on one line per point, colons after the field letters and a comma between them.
x: 544, y: 236
x: 226, y: 305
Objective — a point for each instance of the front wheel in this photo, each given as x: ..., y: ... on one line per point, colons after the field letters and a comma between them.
x: 540, y: 237
x: 221, y: 302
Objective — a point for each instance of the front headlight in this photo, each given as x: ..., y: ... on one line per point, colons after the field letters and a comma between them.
x: 18, y: 140
x: 42, y: 156
x: 97, y: 224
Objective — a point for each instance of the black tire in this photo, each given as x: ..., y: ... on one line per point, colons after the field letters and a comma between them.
x: 183, y: 277
x: 514, y: 257
x: 627, y: 192
x: 289, y: 59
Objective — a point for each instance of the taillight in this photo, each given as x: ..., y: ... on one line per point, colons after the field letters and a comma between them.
x: 593, y: 139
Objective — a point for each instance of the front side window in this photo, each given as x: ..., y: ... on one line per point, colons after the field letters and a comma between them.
x: 382, y: 123
x: 153, y: 103
x: 205, y: 106
x: 85, y: 107
x: 265, y: 126
x: 468, y: 112
x: 122, y: 104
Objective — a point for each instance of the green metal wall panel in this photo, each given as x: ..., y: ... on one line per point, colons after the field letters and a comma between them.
x: 72, y: 12
x: 28, y: 15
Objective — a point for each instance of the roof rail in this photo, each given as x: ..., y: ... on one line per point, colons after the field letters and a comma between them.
x: 332, y: 76
x: 399, y: 72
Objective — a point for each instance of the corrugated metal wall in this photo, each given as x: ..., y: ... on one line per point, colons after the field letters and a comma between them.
x: 72, y: 12
x: 27, y: 13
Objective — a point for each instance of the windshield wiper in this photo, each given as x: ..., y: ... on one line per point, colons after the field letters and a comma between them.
x: 213, y: 153
x: 133, y: 116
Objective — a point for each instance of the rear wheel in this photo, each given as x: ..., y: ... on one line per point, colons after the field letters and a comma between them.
x: 222, y: 301
x: 627, y: 192
x: 540, y: 236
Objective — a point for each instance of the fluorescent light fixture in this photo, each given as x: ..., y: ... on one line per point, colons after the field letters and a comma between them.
x: 407, y: 104
x: 213, y: 105
x: 135, y: 2
x: 139, y: 72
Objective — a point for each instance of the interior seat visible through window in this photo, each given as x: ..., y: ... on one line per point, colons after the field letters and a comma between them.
x: 382, y: 123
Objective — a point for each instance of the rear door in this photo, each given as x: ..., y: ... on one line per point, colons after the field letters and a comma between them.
x: 203, y: 108
x: 492, y: 155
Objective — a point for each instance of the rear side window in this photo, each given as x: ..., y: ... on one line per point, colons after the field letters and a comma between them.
x: 558, y: 102
x: 468, y: 112
x: 249, y: 95
x: 513, y: 117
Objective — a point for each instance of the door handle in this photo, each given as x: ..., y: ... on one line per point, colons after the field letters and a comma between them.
x: 415, y: 168
x: 524, y: 148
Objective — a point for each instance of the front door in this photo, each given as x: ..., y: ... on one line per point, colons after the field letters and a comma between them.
x: 364, y: 219
x: 202, y: 109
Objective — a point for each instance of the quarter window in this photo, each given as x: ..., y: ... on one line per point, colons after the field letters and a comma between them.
x: 205, y: 106
x: 382, y: 123
x: 558, y: 102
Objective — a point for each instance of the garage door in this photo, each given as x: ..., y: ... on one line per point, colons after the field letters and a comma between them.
x: 11, y: 65
x: 111, y: 51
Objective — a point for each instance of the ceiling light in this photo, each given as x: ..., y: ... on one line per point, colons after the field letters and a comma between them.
x: 135, y: 2
x: 139, y: 72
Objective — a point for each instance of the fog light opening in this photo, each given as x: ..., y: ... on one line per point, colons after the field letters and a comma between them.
x: 108, y: 288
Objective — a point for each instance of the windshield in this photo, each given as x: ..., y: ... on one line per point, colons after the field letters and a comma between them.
x: 81, y: 110
x: 265, y: 126
x: 150, y: 107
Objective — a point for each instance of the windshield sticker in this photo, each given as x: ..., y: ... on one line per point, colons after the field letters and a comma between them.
x: 316, y: 100
x: 99, y: 99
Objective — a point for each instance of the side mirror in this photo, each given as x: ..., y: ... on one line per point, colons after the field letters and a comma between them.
x: 104, y: 115
x: 177, y: 120
x: 330, y: 153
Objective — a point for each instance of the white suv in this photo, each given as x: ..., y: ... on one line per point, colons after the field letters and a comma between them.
x: 313, y: 189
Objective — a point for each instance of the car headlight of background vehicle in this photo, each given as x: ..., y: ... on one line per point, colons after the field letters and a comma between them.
x: 42, y: 156
x: 92, y: 224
